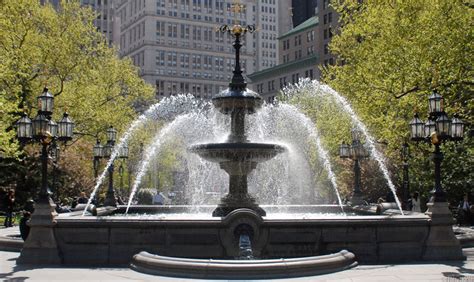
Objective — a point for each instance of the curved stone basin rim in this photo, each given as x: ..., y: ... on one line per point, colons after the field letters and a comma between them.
x: 242, y: 269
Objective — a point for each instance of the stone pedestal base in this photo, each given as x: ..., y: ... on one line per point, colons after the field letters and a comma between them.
x: 441, y: 243
x: 231, y: 202
x: 41, y: 247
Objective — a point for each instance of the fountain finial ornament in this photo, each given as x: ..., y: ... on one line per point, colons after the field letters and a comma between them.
x: 238, y: 81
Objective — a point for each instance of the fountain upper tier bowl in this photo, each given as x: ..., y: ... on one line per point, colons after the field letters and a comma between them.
x: 235, y: 99
x: 240, y: 152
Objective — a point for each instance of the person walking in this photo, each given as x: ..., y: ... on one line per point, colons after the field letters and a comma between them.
x: 416, y: 203
x: 464, y: 211
x: 9, y: 204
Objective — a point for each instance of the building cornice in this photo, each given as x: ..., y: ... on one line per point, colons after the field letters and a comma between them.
x: 283, y: 68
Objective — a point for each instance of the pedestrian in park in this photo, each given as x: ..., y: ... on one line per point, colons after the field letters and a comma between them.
x: 415, y: 202
x: 464, y: 211
x: 9, y: 204
x: 82, y: 199
x: 24, y: 228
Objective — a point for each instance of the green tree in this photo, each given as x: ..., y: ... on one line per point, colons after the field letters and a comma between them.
x: 62, y: 49
x: 391, y: 56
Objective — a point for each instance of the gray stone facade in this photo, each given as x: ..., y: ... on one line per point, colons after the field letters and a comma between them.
x: 178, y: 49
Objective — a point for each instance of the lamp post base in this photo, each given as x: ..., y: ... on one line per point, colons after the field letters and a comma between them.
x: 357, y: 199
x: 41, y: 247
x: 110, y: 200
x: 441, y: 243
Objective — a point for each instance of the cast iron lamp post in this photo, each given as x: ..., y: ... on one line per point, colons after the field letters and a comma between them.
x: 44, y: 130
x: 405, y: 154
x: 99, y: 152
x: 441, y: 242
x: 110, y: 199
x: 123, y: 154
x: 41, y: 247
x: 355, y: 151
x: 437, y: 129
x: 54, y: 152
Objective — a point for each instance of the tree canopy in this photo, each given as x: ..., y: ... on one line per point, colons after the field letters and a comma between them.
x: 61, y: 49
x: 391, y: 55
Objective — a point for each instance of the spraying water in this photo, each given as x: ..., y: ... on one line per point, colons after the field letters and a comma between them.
x: 315, y: 88
x: 150, y: 153
x: 165, y: 109
x: 322, y: 153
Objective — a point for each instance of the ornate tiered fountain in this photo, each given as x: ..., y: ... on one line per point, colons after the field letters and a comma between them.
x: 238, y: 156
x: 240, y: 241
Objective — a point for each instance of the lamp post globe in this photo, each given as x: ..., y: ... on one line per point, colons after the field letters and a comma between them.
x: 443, y: 125
x: 107, y: 150
x: 45, y: 102
x: 356, y: 135
x: 417, y: 129
x: 123, y: 153
x: 457, y: 129
x: 40, y: 126
x: 436, y: 104
x: 111, y: 134
x: 430, y: 127
x: 24, y: 128
x: 65, y: 128
x: 344, y: 150
x: 98, y: 150
x: 53, y: 128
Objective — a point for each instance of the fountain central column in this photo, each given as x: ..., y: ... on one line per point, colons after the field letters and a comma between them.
x: 238, y: 156
x: 237, y: 127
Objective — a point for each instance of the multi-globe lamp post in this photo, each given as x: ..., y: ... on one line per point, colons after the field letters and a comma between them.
x: 41, y: 243
x: 437, y: 129
x: 44, y: 130
x: 105, y: 151
x: 356, y: 152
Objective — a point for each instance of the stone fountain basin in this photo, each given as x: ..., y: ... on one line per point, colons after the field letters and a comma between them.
x: 240, y: 152
x: 242, y: 269
x: 114, y: 240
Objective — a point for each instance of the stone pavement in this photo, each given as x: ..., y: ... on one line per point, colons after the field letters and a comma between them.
x: 439, y: 271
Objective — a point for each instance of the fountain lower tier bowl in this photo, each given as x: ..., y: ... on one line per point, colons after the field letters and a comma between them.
x: 237, y: 152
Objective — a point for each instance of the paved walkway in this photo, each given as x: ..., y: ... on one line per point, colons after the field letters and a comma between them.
x: 440, y: 271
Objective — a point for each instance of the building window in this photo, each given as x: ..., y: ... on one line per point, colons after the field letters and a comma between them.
x: 326, y: 49
x: 325, y: 36
x: 310, y: 36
